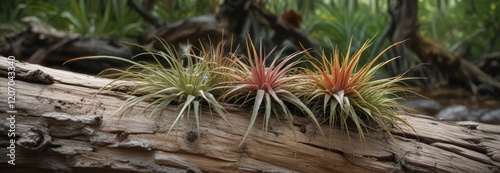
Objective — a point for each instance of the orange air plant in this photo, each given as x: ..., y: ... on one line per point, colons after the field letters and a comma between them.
x: 250, y: 79
x: 347, y: 95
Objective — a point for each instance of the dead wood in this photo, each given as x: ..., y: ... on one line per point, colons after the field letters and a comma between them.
x: 404, y: 26
x: 235, y: 20
x: 42, y: 44
x: 65, y: 126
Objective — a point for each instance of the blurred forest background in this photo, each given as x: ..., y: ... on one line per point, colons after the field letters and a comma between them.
x: 49, y: 32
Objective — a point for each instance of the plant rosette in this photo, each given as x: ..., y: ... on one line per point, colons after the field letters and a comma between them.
x: 345, y: 94
x: 190, y: 86
x: 250, y: 80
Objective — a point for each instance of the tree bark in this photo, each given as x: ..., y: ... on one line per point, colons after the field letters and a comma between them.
x: 403, y: 25
x: 64, y: 125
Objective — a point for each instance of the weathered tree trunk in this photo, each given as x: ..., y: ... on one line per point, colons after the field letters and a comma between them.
x: 403, y: 25
x: 62, y: 125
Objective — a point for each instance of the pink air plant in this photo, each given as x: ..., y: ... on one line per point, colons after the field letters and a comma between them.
x: 255, y: 81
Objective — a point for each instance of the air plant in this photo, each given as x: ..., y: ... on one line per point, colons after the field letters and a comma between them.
x: 216, y: 57
x: 251, y: 80
x: 346, y: 95
x: 189, y: 86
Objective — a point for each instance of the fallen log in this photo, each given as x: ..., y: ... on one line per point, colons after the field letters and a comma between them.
x: 64, y: 125
x: 39, y: 43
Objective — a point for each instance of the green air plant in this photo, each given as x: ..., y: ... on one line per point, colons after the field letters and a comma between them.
x: 251, y: 80
x: 348, y: 95
x: 217, y: 57
x: 189, y: 86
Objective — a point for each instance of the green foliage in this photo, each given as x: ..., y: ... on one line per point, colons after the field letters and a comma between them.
x: 337, y: 23
x: 12, y: 11
x: 454, y: 23
x: 174, y: 10
x: 110, y: 18
x: 450, y: 23
x: 305, y: 7
x: 334, y: 23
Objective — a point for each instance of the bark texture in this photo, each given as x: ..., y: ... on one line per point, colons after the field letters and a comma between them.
x: 63, y: 125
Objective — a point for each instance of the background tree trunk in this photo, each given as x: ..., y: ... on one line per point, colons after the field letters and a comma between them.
x: 403, y: 25
x: 63, y: 125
